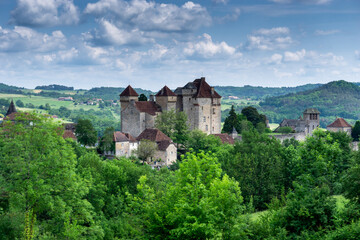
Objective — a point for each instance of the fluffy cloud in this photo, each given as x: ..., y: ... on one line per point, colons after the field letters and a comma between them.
x: 326, y: 32
x: 109, y: 34
x: 27, y: 39
x: 206, y: 48
x: 39, y: 13
x: 357, y: 54
x: 269, y: 39
x: 294, y: 56
x: 220, y: 1
x: 275, y: 59
x: 151, y: 16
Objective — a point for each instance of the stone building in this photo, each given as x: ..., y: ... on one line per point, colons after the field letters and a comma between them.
x: 307, y: 123
x: 166, y: 152
x: 339, y: 125
x: 125, y: 144
x: 200, y: 102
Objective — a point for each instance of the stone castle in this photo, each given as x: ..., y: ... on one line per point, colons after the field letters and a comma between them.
x: 307, y: 123
x: 200, y: 102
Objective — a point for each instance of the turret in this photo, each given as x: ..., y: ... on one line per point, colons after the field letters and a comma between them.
x: 129, y: 94
x: 166, y: 99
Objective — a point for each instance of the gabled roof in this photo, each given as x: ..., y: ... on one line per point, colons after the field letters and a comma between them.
x: 11, y: 109
x: 69, y: 134
x: 339, y: 123
x: 153, y: 134
x: 123, y: 137
x: 290, y: 122
x: 204, y: 89
x: 149, y: 107
x: 312, y: 110
x: 165, y: 91
x: 129, y: 91
x: 225, y: 138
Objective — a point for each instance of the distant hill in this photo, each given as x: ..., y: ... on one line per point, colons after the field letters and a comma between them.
x: 337, y: 98
x: 111, y: 93
x: 54, y: 87
x: 258, y: 93
x: 9, y: 89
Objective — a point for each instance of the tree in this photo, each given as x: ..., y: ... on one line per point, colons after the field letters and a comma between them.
x: 253, y: 116
x: 107, y: 143
x: 85, y: 132
x: 146, y: 150
x: 20, y: 103
x: 199, y: 141
x: 142, y: 98
x: 285, y: 130
x: 174, y: 125
x: 39, y: 181
x: 232, y: 121
x: 356, y: 131
x: 201, y: 203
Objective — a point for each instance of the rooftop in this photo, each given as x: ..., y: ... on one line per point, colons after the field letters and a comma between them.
x: 339, y: 123
x: 129, y: 91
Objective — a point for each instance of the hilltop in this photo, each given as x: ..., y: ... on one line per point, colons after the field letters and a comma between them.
x: 337, y: 98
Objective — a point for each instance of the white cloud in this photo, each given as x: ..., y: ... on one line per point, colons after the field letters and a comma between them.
x: 357, y: 54
x: 326, y: 32
x: 220, y: 1
x: 26, y: 39
x: 294, y: 56
x: 40, y: 13
x: 206, y: 48
x: 269, y: 39
x: 151, y: 16
x: 281, y: 74
x: 275, y: 58
x: 110, y: 34
x: 314, y: 2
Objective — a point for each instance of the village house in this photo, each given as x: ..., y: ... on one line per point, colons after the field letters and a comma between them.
x: 339, y: 125
x: 125, y: 144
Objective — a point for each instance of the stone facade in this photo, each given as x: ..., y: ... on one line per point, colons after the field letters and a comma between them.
x: 125, y: 144
x: 200, y: 102
x: 339, y: 125
x: 307, y: 123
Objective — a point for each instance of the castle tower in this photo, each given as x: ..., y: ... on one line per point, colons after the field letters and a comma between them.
x: 126, y: 96
x: 166, y: 99
x: 312, y: 120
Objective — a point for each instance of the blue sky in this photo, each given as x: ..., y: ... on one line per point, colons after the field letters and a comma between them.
x: 152, y: 43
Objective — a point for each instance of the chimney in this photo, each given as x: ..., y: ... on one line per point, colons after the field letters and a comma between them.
x: 152, y: 98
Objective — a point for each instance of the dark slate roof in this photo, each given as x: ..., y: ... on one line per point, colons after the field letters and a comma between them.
x: 290, y: 122
x: 153, y: 134
x: 165, y: 91
x: 129, y: 91
x: 312, y: 110
x: 339, y: 123
x: 12, y: 108
x: 123, y: 137
x: 163, y: 145
x: 225, y: 138
x: 204, y: 89
x: 149, y: 107
x: 69, y: 134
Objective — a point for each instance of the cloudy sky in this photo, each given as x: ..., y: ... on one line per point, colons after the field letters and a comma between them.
x: 152, y: 43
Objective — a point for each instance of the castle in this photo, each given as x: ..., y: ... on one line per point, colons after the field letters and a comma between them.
x: 200, y: 102
x: 307, y: 124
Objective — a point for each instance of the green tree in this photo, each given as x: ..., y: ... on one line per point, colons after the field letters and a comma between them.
x: 142, y: 98
x: 232, y: 121
x: 200, y: 141
x: 253, y: 116
x: 146, y: 150
x: 20, y: 103
x: 107, y: 143
x: 38, y: 176
x: 200, y: 204
x: 85, y: 132
x: 356, y: 131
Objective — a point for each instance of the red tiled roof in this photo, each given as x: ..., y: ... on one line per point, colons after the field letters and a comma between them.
x: 69, y: 134
x: 129, y: 91
x: 153, y: 134
x: 148, y: 106
x: 163, y: 145
x: 165, y: 91
x: 204, y: 89
x: 123, y: 137
x: 339, y: 123
x: 225, y: 138
x: 13, y: 116
x: 130, y: 137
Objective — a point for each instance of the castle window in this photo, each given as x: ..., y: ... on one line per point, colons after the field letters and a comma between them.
x: 204, y: 119
x: 189, y: 99
x: 213, y: 110
x: 202, y: 108
x: 207, y: 128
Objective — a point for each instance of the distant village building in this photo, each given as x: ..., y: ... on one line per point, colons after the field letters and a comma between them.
x: 200, y: 102
x: 307, y: 123
x: 166, y: 152
x: 125, y: 144
x: 65, y: 99
x: 339, y: 125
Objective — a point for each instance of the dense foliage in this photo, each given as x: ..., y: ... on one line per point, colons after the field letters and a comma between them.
x: 54, y: 87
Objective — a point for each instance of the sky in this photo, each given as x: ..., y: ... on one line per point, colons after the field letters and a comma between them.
x: 149, y: 44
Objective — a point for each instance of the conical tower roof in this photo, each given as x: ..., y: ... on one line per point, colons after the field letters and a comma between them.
x: 12, y: 108
x: 129, y: 91
x: 165, y: 91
